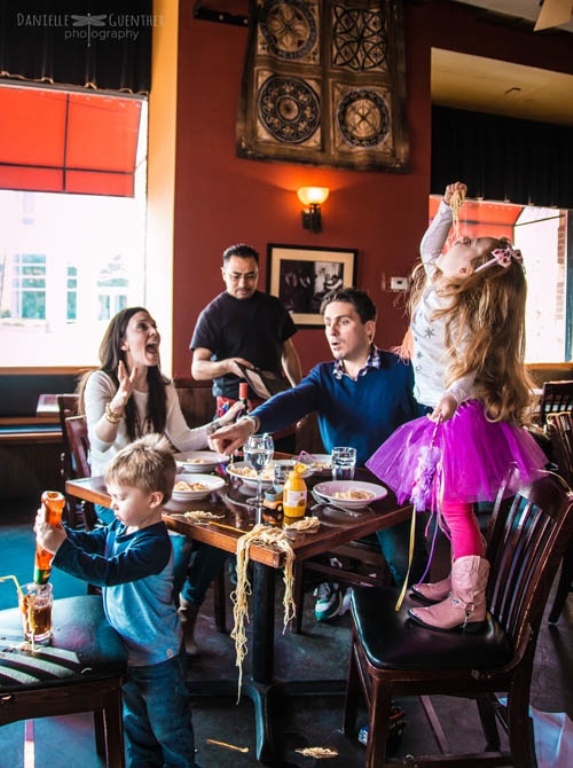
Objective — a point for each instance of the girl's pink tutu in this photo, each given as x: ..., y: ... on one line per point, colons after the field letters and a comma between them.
x: 474, y: 457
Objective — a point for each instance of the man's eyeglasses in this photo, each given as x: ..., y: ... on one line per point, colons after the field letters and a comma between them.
x: 236, y: 277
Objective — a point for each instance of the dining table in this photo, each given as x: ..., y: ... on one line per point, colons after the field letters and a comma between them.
x: 234, y: 517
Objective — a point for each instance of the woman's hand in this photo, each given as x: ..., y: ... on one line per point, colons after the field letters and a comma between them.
x: 125, y: 389
x: 49, y: 537
x: 445, y: 409
x: 451, y: 188
x: 234, y: 411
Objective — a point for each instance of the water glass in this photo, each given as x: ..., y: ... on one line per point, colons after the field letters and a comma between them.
x: 343, y: 463
x: 282, y: 470
x: 35, y: 602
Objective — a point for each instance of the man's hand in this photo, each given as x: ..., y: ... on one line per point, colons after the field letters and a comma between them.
x: 445, y: 409
x: 233, y: 365
x: 49, y: 537
x: 228, y: 439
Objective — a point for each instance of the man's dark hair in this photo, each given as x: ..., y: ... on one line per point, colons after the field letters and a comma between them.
x: 361, y: 302
x: 242, y: 250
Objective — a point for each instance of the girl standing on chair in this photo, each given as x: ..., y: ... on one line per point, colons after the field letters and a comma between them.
x: 468, y: 336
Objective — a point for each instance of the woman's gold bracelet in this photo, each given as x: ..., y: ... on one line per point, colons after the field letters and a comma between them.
x: 112, y: 416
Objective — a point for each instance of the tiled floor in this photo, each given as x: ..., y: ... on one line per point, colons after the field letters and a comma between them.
x: 320, y: 652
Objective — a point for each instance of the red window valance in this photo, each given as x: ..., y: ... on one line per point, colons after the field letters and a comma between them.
x: 63, y: 141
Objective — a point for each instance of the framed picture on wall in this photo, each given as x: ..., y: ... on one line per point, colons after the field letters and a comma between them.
x: 301, y: 276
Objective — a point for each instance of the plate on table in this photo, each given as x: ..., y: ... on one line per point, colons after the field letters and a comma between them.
x: 350, y: 494
x: 243, y: 471
x: 195, y: 488
x: 200, y: 461
x: 318, y: 463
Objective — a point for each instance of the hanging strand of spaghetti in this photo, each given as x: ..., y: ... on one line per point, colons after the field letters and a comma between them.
x: 273, y: 537
x: 456, y: 203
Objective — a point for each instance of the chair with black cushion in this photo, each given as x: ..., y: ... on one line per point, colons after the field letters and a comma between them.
x: 392, y: 657
x: 556, y: 397
x: 81, y: 670
x: 560, y: 430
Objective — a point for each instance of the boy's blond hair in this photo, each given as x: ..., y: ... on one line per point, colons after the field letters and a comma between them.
x: 147, y: 464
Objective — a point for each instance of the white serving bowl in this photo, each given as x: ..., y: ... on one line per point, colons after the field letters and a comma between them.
x: 210, y: 483
x: 200, y: 461
x: 243, y: 471
x: 348, y: 493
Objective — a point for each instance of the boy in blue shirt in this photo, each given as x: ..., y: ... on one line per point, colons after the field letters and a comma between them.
x: 132, y: 561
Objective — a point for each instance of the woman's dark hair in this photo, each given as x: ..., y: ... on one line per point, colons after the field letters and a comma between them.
x: 110, y: 355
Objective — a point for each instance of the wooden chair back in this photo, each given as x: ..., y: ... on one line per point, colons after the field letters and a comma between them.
x: 560, y: 430
x: 556, y: 397
x: 77, y: 434
x: 67, y: 406
x: 527, y: 537
x: 76, y: 429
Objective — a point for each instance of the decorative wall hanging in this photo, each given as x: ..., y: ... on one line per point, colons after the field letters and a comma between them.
x: 325, y: 83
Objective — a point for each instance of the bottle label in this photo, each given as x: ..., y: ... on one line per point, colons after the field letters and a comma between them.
x: 41, y: 575
x: 294, y: 502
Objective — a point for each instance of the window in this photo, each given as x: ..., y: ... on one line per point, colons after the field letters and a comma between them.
x: 68, y: 263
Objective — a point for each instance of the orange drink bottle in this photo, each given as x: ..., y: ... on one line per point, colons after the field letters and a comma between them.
x: 294, y: 494
x: 54, y: 503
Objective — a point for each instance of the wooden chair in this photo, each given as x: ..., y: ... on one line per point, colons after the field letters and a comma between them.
x: 368, y: 568
x: 560, y: 430
x: 76, y: 429
x: 556, y: 397
x: 67, y: 406
x: 80, y: 671
x: 392, y: 657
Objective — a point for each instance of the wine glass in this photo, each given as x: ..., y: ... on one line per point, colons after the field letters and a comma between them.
x: 258, y: 452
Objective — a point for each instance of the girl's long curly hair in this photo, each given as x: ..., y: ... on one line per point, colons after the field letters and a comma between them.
x: 110, y: 354
x: 489, y: 308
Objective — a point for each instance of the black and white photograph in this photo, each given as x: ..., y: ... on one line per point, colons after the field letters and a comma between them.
x: 302, y: 276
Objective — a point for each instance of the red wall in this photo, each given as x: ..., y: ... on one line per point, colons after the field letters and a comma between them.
x: 221, y: 199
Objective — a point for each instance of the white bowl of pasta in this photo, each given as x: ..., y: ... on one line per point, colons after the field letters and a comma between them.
x: 195, y: 488
x: 350, y: 494
x: 242, y: 470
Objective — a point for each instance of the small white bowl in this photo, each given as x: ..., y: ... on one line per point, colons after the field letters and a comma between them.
x: 200, y: 461
x: 350, y: 494
x: 209, y: 484
x: 318, y: 463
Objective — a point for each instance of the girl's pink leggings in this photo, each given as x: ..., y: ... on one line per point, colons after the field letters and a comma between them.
x: 466, y: 539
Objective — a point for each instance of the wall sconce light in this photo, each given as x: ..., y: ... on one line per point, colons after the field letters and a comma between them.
x: 313, y: 197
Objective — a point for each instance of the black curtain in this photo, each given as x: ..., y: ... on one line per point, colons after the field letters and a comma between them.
x: 104, y: 44
x: 502, y: 158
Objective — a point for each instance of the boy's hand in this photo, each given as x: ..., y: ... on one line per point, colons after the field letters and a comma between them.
x: 451, y: 188
x: 49, y: 537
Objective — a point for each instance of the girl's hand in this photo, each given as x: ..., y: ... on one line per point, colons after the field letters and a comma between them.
x: 451, y: 188
x: 49, y: 537
x: 445, y: 409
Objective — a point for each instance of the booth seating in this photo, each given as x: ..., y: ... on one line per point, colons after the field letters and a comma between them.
x: 393, y: 657
x: 81, y: 670
x: 556, y: 397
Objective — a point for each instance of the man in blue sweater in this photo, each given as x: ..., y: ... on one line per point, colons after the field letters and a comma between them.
x: 360, y: 398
